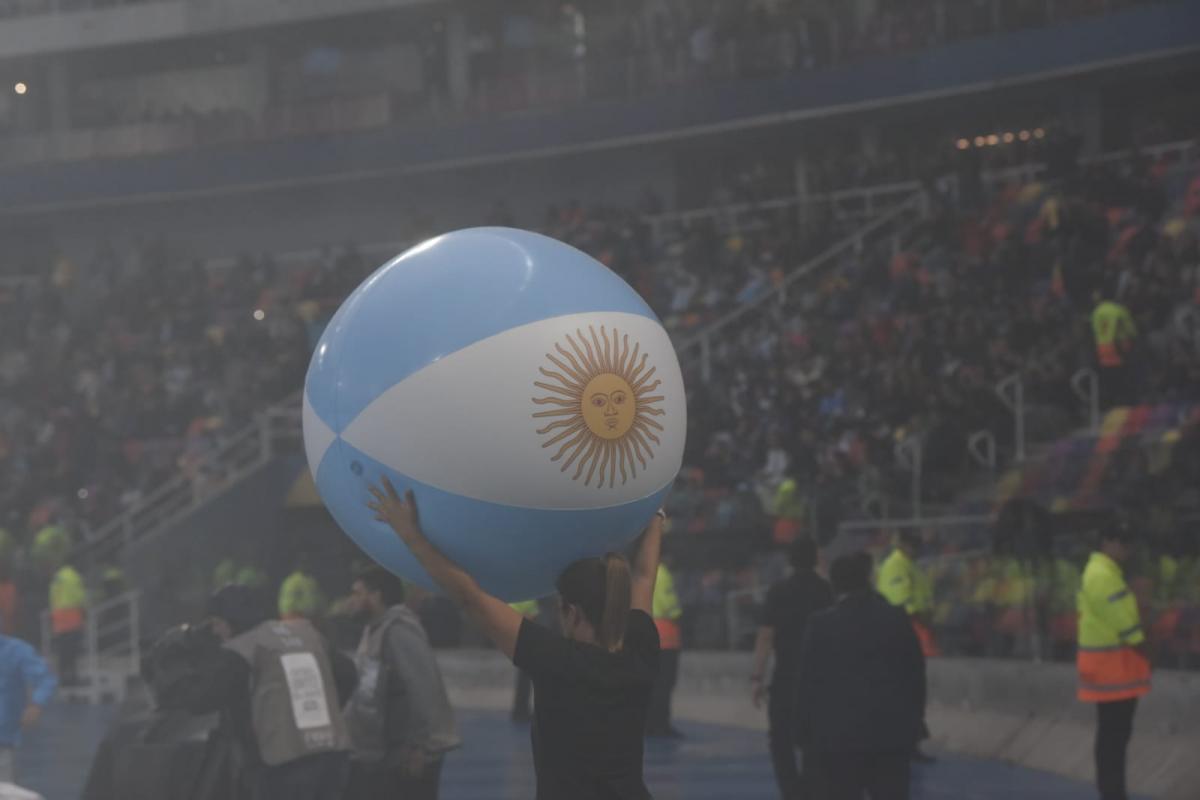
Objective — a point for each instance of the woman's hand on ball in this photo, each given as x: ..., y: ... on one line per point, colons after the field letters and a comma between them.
x: 401, y: 514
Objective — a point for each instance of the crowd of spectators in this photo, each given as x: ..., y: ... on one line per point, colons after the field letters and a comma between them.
x: 821, y: 385
x: 119, y: 373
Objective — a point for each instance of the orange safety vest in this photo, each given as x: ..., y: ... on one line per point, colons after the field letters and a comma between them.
x: 65, y: 620
x: 1117, y: 674
x: 67, y: 601
x: 1110, y: 668
x: 668, y: 634
x: 925, y: 636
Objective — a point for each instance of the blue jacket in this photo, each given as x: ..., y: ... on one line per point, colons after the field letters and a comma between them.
x: 24, y: 677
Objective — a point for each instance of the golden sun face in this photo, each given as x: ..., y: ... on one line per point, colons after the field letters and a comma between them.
x: 608, y: 406
x: 603, y: 407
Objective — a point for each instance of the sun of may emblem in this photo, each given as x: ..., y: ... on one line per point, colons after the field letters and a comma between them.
x: 602, y: 406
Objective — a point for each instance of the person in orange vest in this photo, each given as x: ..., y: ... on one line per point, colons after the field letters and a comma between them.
x: 1112, y: 660
x: 1115, y: 333
x: 68, y: 600
x: 666, y: 612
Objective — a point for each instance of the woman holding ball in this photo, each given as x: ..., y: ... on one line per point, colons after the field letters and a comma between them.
x: 593, y: 682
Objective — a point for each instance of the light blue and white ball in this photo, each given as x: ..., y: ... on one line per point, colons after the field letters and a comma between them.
x: 522, y: 390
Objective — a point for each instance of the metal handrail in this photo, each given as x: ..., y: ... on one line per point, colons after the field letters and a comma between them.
x: 1011, y: 392
x: 849, y: 243
x: 982, y: 446
x: 124, y: 652
x: 247, y: 449
x: 909, y: 453
x: 1086, y: 385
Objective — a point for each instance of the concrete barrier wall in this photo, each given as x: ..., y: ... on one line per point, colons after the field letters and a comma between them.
x: 1011, y: 711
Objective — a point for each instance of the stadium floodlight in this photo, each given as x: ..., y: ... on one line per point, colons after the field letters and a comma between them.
x: 20, y: 87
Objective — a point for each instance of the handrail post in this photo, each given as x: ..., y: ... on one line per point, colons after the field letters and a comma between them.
x: 1011, y: 391
x: 264, y: 437
x: 1086, y: 385
x: 135, y: 655
x: 982, y: 447
x: 93, y: 656
x: 909, y: 454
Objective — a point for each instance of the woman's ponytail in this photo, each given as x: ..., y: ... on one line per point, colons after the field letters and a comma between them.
x: 618, y: 583
x: 600, y: 588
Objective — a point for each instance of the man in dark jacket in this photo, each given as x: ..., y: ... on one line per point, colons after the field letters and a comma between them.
x: 279, y: 688
x: 789, y: 605
x: 861, y: 689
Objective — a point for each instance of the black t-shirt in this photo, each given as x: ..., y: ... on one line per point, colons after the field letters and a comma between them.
x: 790, y: 603
x: 589, y: 711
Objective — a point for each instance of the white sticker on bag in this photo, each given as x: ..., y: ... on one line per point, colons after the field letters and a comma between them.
x: 307, y: 690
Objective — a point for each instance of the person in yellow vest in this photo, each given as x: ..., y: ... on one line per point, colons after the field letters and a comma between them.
x: 1114, y: 668
x: 903, y: 584
x: 68, y: 601
x: 522, y: 706
x: 231, y: 572
x: 51, y: 545
x: 789, y: 509
x: 667, y: 613
x: 300, y: 595
x: 1115, y: 333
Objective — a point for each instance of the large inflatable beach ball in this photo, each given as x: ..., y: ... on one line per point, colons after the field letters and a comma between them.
x: 523, y: 391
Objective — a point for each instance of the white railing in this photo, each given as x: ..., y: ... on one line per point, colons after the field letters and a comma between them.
x: 895, y: 223
x: 1011, y: 392
x: 112, y: 648
x: 233, y: 460
x: 910, y: 455
x: 981, y: 445
x: 1086, y: 385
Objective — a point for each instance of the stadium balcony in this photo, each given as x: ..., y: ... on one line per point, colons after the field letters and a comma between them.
x: 605, y: 103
